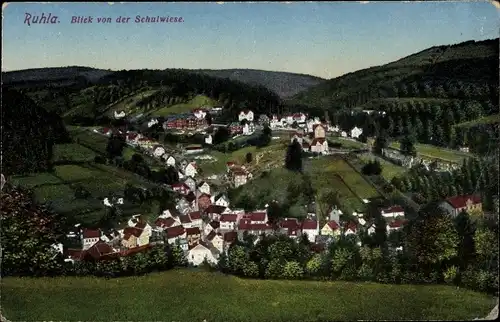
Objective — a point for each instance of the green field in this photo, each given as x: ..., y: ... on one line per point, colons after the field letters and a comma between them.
x: 348, y: 144
x: 324, y: 173
x: 129, y: 104
x: 186, y: 295
x: 196, y: 102
x: 434, y: 152
x: 389, y: 169
x: 492, y: 119
x: 72, y: 152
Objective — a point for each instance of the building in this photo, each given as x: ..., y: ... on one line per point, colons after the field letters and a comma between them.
x: 319, y: 145
x: 457, y: 204
x: 356, y: 132
x: 245, y: 115
x: 319, y: 131
x: 393, y: 212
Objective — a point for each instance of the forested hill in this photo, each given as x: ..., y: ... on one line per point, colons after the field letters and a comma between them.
x: 468, y: 70
x: 282, y: 83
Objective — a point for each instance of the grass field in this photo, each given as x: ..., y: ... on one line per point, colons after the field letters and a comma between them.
x: 196, y: 102
x: 431, y: 151
x: 389, y: 169
x: 348, y: 144
x: 129, y: 104
x: 324, y: 173
x: 186, y: 295
x: 492, y: 119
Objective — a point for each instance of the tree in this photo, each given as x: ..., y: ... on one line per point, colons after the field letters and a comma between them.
x: 171, y: 175
x: 465, y: 230
x: 293, y: 270
x: 314, y: 265
x: 115, y: 146
x: 381, y: 143
x: 28, y: 231
x: 407, y: 146
x: 293, y: 159
x: 372, y: 168
x: 208, y: 118
x: 431, y: 238
x: 221, y: 135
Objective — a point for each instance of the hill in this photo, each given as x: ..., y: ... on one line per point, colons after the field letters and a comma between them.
x: 471, y: 63
x: 282, y: 83
x: 216, y: 297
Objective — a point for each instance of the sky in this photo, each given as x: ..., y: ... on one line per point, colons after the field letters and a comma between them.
x: 325, y: 39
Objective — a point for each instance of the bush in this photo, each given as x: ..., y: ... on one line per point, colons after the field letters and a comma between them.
x: 365, y: 273
x: 293, y: 270
x: 450, y: 275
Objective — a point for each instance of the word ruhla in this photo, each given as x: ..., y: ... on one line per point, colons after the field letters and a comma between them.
x: 121, y: 19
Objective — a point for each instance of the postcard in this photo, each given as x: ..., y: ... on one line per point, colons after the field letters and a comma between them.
x: 249, y: 161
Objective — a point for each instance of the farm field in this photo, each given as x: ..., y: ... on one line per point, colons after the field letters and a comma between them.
x: 196, y: 102
x: 216, y: 297
x: 271, y: 155
x: 58, y: 187
x: 434, y: 152
x: 324, y: 173
x: 389, y: 169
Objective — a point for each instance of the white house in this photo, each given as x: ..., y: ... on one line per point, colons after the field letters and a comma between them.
x: 199, y: 113
x: 191, y: 183
x: 299, y: 117
x: 393, y: 212
x: 170, y: 160
x: 396, y: 224
x: 297, y: 136
x: 197, y: 255
x: 228, y: 221
x: 158, y: 151
x: 152, y: 122
x: 343, y: 134
x: 204, y: 187
x: 119, y: 115
x: 245, y: 115
x: 319, y: 145
x: 208, y: 139
x: 248, y: 129
x: 190, y: 170
x: 107, y: 203
x: 221, y: 200
x: 350, y: 228
x: 90, y: 237
x: 311, y: 228
x: 217, y: 241
x: 335, y: 214
x: 356, y: 132
x: 275, y: 122
x: 196, y: 220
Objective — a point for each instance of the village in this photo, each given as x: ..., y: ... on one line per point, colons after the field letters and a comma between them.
x: 204, y: 224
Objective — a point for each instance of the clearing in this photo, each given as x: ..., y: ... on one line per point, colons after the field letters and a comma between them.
x: 389, y: 169
x: 434, y: 152
x: 196, y: 102
x: 216, y: 297
x: 492, y: 119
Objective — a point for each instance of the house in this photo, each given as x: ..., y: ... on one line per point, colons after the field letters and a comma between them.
x: 204, y: 201
x: 248, y: 129
x: 335, y: 214
x: 131, y: 236
x: 393, y: 212
x: 196, y: 220
x: 164, y: 223
x: 240, y: 176
x: 199, y: 113
x: 221, y: 200
x: 297, y: 136
x: 107, y: 203
x: 257, y: 217
x: 311, y: 228
x: 319, y: 145
x: 119, y: 115
x: 370, y: 229
x: 110, y: 237
x: 245, y: 115
x: 350, y: 228
x: 299, y: 117
x: 204, y: 187
x: 230, y: 238
x: 191, y: 200
x: 319, y: 131
x: 192, y: 149
x: 457, y: 204
x: 212, y: 226
x: 185, y: 221
x: 245, y: 226
x: 356, y: 132
x: 90, y: 237
x: 170, y: 160
x: 181, y: 188
x: 343, y: 134
x: 190, y: 170
x: 174, y: 234
x: 228, y: 221
x: 331, y: 228
x: 190, y: 182
x: 396, y: 224
x: 200, y: 252
x: 217, y: 240
x: 235, y: 128
x: 214, y: 212
x: 147, y: 232
x: 99, y: 250
x: 208, y: 139
x: 158, y: 151
x: 152, y: 122
x: 193, y: 235
x: 169, y: 213
x: 290, y: 227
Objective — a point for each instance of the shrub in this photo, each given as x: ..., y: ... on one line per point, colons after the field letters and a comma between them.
x: 251, y: 269
x: 451, y: 274
x: 365, y: 273
x: 293, y: 270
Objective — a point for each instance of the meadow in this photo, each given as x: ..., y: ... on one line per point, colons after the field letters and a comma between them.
x: 196, y: 102
x: 193, y: 295
x: 389, y: 169
x: 434, y: 152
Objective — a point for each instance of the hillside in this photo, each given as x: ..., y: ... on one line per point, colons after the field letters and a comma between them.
x: 456, y: 68
x: 282, y: 83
